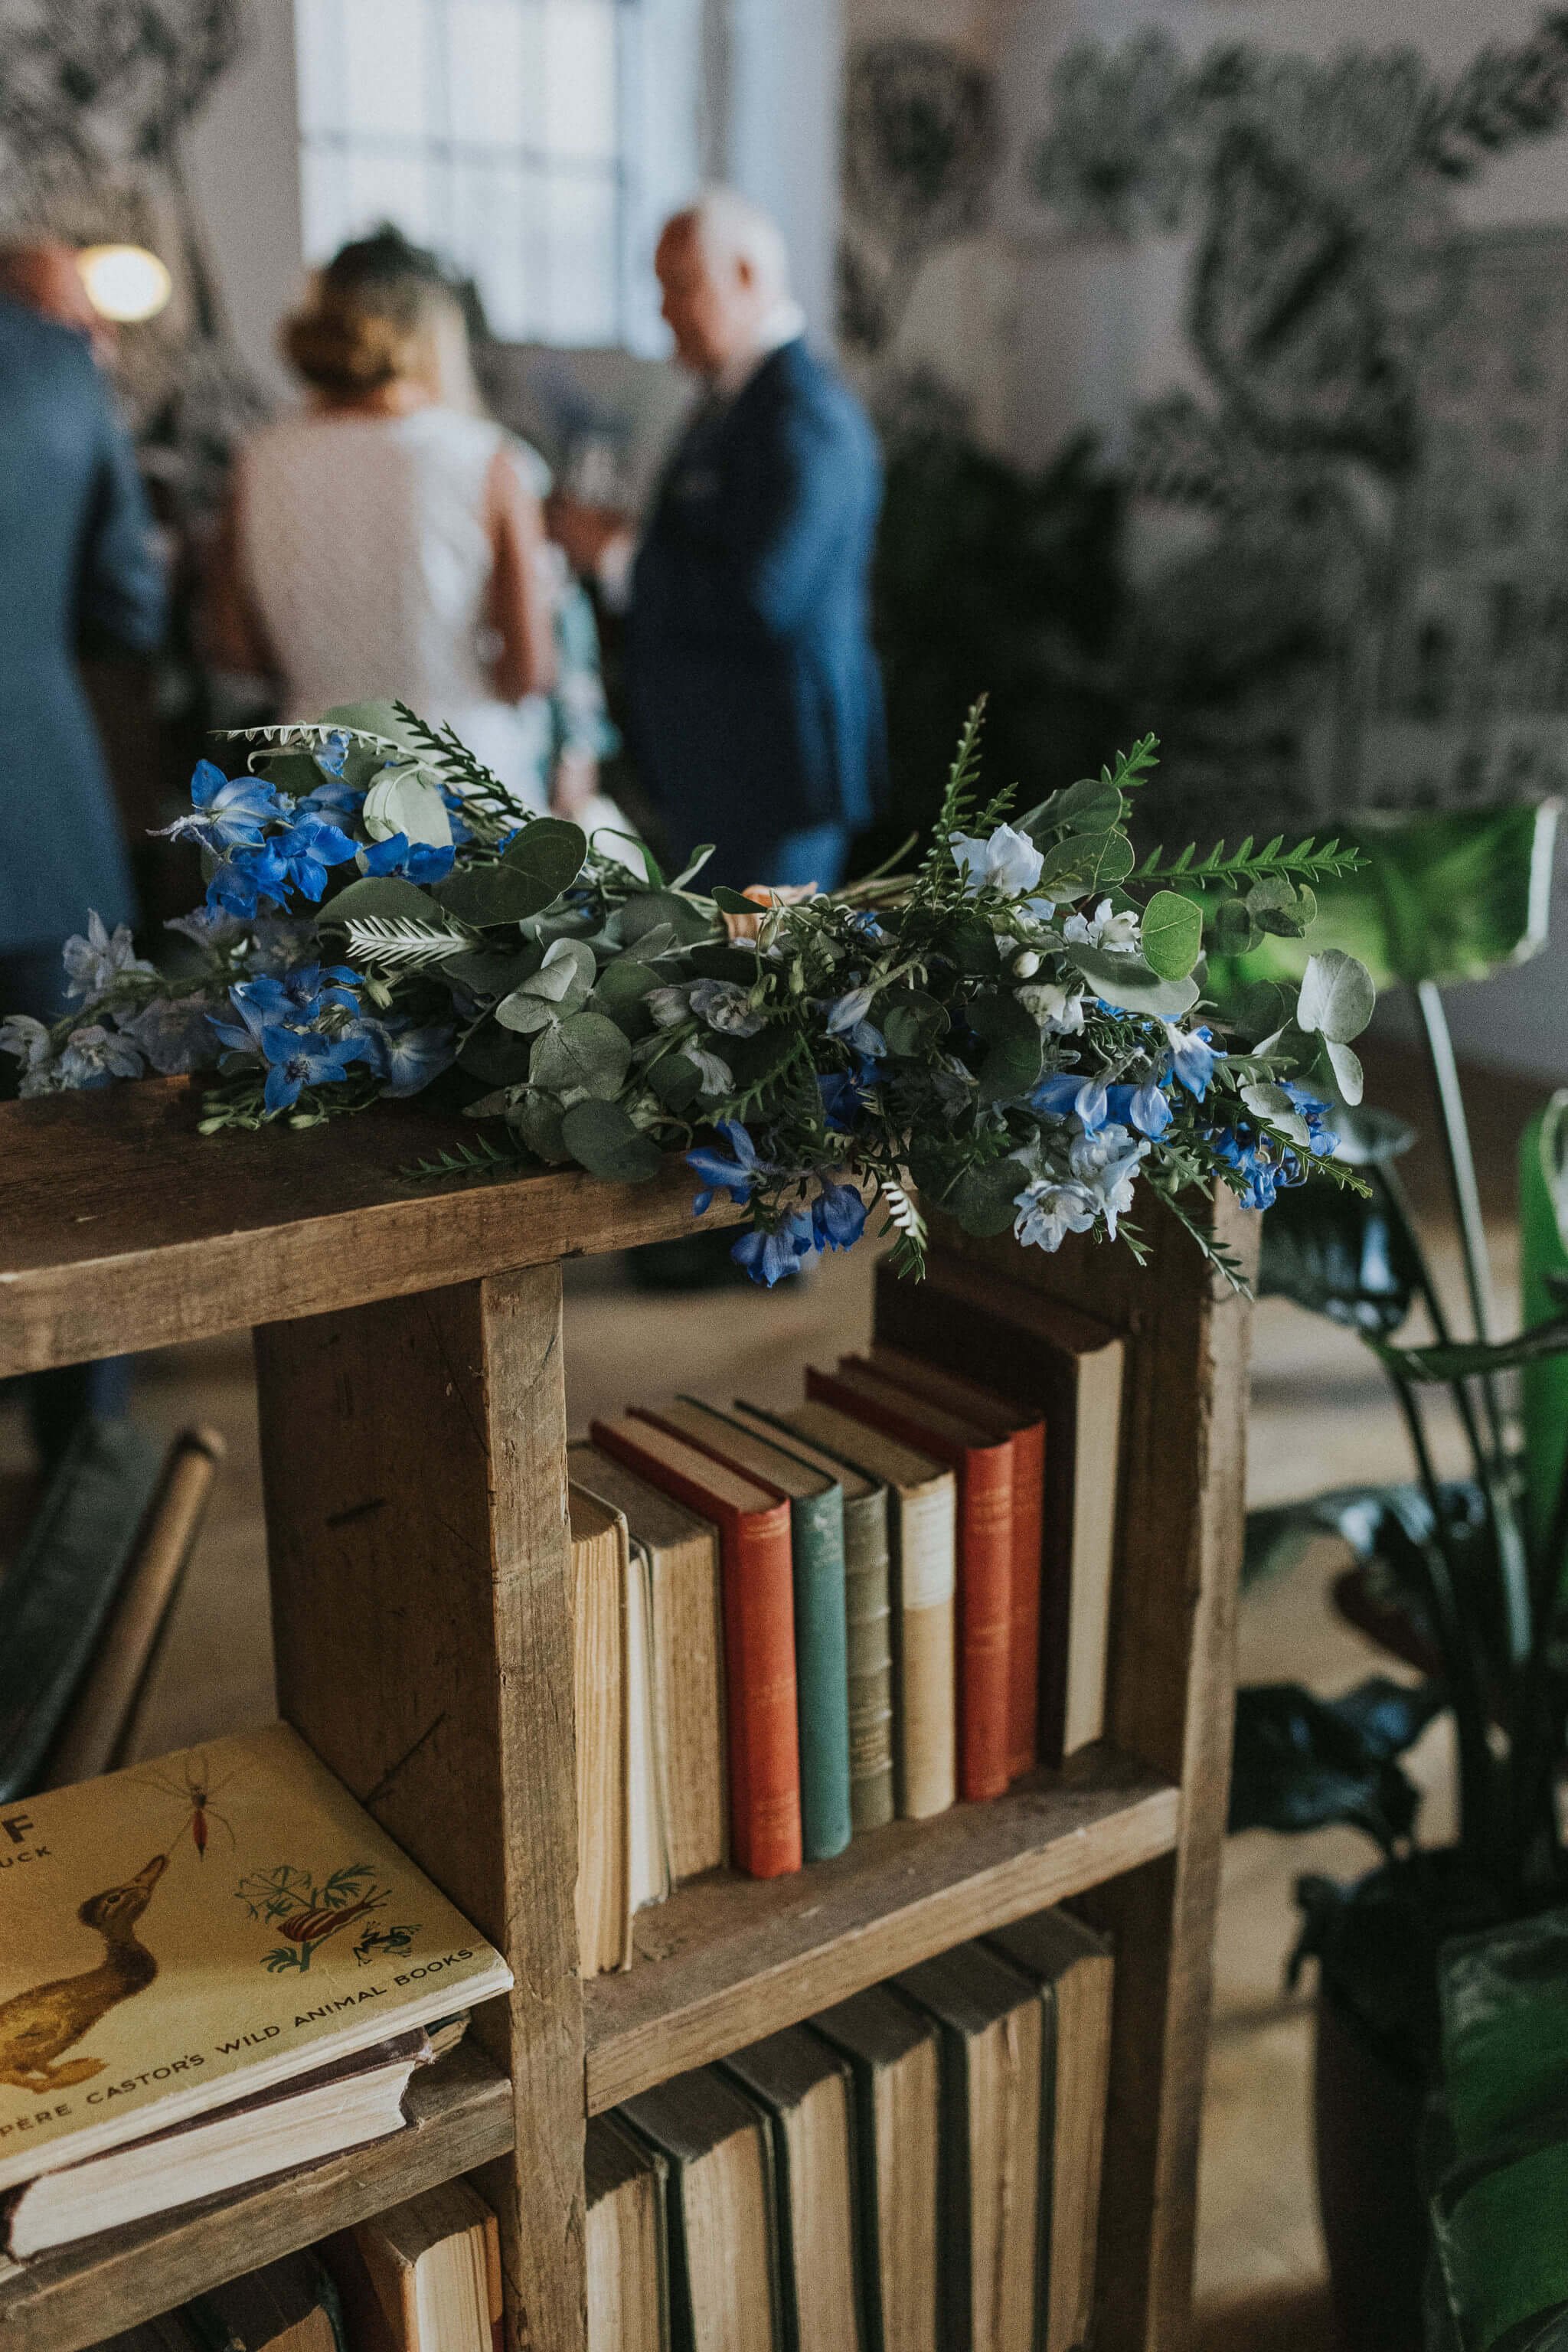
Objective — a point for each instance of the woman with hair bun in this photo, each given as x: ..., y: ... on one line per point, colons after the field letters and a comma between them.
x: 388, y: 540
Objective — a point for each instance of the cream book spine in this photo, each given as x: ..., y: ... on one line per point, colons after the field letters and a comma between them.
x: 924, y: 1565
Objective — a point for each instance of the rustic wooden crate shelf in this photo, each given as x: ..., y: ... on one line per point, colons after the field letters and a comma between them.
x: 409, y: 1362
x: 461, y: 2112
x: 730, y: 1958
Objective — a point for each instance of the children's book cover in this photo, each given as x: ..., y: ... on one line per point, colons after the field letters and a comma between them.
x: 193, y: 1930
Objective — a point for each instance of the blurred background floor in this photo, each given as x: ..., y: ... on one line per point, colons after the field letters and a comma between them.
x: 1321, y: 1417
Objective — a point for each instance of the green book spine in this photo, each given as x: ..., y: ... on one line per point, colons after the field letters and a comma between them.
x: 822, y: 1672
x: 869, y: 1617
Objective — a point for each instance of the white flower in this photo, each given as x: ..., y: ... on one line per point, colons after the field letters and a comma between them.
x: 1057, y: 1009
x: 1048, y: 1209
x: 717, y: 1079
x: 1118, y: 934
x: 725, y: 1004
x: 99, y: 1052
x: 668, y: 1006
x: 1105, y: 1163
x: 29, y: 1041
x: 1009, y: 862
x: 402, y: 801
x: 94, y: 962
x: 1025, y: 964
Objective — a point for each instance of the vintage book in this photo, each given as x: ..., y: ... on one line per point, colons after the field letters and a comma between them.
x: 648, y: 1834
x: 1027, y: 1430
x: 289, y: 2306
x: 722, y: 2242
x: 1071, y: 1368
x: 100, y: 1728
x: 803, y: 2086
x: 759, y: 1635
x: 58, y: 1593
x: 424, y: 2276
x: 1072, y: 1968
x: 991, y: 2028
x: 816, y: 1498
x: 922, y: 1538
x: 688, y: 1655
x: 197, y: 1930
x: 891, y: 2047
x: 868, y: 1622
x: 625, y: 2182
x: 599, y: 1691
x: 984, y: 1466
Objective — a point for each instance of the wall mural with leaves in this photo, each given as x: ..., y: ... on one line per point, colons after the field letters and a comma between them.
x: 1374, y: 605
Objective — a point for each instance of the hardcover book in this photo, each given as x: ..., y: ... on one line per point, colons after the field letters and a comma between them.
x: 425, y: 2276
x: 289, y: 2306
x: 599, y: 1566
x: 191, y: 1932
x: 724, y: 2289
x: 625, y: 2185
x: 803, y: 2086
x: 891, y: 2047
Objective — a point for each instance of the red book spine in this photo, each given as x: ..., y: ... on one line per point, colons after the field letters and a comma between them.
x: 758, y: 1577
x: 1024, y: 1648
x: 984, y: 1574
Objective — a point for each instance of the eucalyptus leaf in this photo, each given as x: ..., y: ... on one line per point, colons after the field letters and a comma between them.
x: 1273, y: 1103
x: 540, y: 1122
x: 403, y: 799
x: 1085, y: 863
x: 586, y: 1051
x: 625, y: 982
x: 378, y: 718
x: 525, y: 1014
x: 910, y: 1019
x: 1337, y: 997
x: 546, y: 859
x: 383, y: 894
x: 486, y: 972
x: 675, y: 1081
x: 968, y: 940
x: 1172, y: 934
x: 639, y: 914
x: 1346, y: 1068
x: 495, y: 1057
x: 1231, y: 928
x: 984, y: 1199
x: 294, y: 773
x: 1011, y: 1068
x: 1129, y: 983
x: 601, y: 1136
x: 1094, y: 804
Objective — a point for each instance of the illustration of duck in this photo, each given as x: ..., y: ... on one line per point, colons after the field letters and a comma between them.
x: 35, y: 2026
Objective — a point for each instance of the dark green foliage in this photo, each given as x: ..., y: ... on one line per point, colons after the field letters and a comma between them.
x: 1302, y: 1762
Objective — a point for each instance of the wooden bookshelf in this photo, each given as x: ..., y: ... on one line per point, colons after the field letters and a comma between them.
x: 409, y: 1358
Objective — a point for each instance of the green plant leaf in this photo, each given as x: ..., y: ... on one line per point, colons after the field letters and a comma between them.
x: 1127, y: 981
x: 546, y: 859
x: 1337, y: 998
x: 1172, y: 934
x: 526, y: 1015
x: 1085, y: 863
x: 1346, y: 1068
x: 675, y: 1081
x: 383, y: 894
x: 625, y: 981
x: 1273, y: 1103
x: 406, y: 801
x: 1303, y: 1762
x: 1465, y: 1359
x: 496, y: 1059
x: 1339, y: 1255
x: 377, y: 717
x: 602, y: 1138
x: 539, y: 1123
x: 586, y: 1051
x: 489, y: 972
x: 983, y: 1198
x: 734, y: 902
x: 648, y: 908
x: 1094, y: 804
x: 909, y: 1019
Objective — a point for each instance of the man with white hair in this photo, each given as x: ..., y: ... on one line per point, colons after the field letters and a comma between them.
x: 756, y: 700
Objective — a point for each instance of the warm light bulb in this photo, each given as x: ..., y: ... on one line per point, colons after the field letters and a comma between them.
x: 124, y: 282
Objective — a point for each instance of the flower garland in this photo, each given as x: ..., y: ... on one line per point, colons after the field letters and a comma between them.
x: 1014, y: 1030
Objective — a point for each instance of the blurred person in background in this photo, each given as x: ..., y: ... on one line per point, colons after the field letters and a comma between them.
x: 755, y: 697
x: 79, y: 567
x: 389, y: 541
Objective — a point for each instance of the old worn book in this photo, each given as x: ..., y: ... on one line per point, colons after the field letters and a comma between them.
x: 599, y: 1692
x: 649, y: 1873
x: 1049, y: 1356
x: 1026, y: 1429
x: 724, y: 2290
x: 869, y: 1622
x: 59, y: 1591
x: 983, y: 1464
x: 990, y: 2022
x: 688, y: 1638
x: 200, y: 1929
x: 422, y: 2277
x: 815, y: 1499
x: 1073, y: 1971
x: 921, y: 1528
x: 629, y: 2287
x: 759, y: 1634
x: 289, y: 2306
x: 803, y: 2085
x: 891, y: 2047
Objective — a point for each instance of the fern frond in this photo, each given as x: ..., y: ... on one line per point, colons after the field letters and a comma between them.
x: 464, y: 1161
x: 1307, y: 861
x: 400, y: 943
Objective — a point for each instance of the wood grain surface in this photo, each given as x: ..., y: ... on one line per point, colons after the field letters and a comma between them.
x: 122, y: 1228
x: 460, y: 2116
x: 414, y: 1459
x: 729, y: 1958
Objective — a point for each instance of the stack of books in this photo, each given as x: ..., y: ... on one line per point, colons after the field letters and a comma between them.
x: 792, y: 1627
x: 213, y: 1967
x: 915, y: 2171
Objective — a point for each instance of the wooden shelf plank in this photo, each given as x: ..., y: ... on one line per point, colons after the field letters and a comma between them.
x: 122, y: 1228
x: 461, y: 2112
x: 730, y: 1958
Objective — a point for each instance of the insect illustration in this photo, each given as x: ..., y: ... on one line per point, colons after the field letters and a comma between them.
x: 306, y: 1914
x: 196, y: 1792
x: 389, y: 1940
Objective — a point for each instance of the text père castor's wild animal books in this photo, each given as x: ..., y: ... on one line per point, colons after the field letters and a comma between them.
x: 212, y: 1967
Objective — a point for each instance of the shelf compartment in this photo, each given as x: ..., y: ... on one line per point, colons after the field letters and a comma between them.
x: 461, y: 2117
x: 730, y: 1958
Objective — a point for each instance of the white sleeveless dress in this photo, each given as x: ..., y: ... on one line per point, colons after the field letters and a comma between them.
x: 365, y: 551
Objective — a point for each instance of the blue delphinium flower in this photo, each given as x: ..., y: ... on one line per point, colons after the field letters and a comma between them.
x: 768, y: 1257
x: 1054, y: 1097
x: 93, y: 961
x: 738, y: 1177
x: 1145, y: 1109
x: 420, y: 861
x: 227, y: 813
x: 298, y: 995
x: 331, y: 754
x: 1008, y: 862
x: 94, y: 1055
x: 838, y: 1216
x: 846, y: 1019
x: 245, y: 1038
x: 299, y: 1058
x: 1193, y: 1057
x: 843, y: 1092
x: 308, y: 848
x: 1323, y: 1141
x: 404, y: 1058
x: 247, y: 879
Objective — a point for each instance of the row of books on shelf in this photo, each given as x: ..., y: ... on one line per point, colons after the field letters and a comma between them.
x: 916, y: 2169
x: 792, y: 1627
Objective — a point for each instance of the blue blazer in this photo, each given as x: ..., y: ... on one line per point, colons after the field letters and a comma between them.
x: 77, y: 557
x: 755, y: 700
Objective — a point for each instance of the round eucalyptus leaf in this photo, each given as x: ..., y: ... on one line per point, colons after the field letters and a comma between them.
x: 602, y: 1138
x: 1085, y: 863
x: 1273, y: 1103
x: 1346, y: 1068
x: 539, y: 1122
x: 1094, y: 804
x: 525, y: 1014
x: 586, y: 1053
x: 1172, y: 934
x: 625, y: 982
x: 983, y: 1200
x: 1337, y: 998
x: 1128, y: 984
x: 378, y: 718
x: 382, y: 895
x: 648, y: 908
